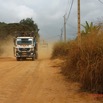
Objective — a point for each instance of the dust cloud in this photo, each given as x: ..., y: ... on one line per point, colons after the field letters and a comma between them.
x: 44, y: 50
x: 7, y: 47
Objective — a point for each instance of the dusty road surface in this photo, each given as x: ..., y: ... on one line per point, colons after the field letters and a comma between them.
x: 37, y: 81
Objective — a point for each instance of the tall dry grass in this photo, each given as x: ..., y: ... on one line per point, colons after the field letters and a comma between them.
x: 84, y: 64
x: 61, y: 49
x: 90, y: 64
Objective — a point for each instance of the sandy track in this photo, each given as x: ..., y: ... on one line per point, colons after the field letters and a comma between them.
x: 37, y: 82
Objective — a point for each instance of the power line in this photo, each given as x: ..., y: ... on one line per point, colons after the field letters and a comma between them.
x: 70, y: 10
x: 66, y: 18
x: 67, y: 7
x: 100, y: 1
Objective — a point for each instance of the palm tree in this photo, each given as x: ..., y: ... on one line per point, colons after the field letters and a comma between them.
x: 90, y: 28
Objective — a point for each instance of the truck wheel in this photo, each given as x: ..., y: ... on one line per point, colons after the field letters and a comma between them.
x: 18, y: 59
x: 24, y: 58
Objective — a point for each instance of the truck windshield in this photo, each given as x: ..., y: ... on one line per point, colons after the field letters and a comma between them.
x: 24, y: 41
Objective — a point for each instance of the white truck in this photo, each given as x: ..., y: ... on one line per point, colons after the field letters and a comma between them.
x: 25, y: 46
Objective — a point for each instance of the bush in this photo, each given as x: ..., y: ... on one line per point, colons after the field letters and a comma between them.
x: 83, y: 64
x: 1, y: 50
x: 60, y: 49
x: 91, y: 64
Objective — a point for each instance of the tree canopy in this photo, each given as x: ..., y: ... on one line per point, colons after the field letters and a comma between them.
x: 25, y: 25
x: 90, y: 28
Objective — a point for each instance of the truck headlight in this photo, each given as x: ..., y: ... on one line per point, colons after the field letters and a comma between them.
x: 31, y: 53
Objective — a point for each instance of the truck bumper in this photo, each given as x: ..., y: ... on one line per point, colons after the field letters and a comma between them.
x: 25, y: 54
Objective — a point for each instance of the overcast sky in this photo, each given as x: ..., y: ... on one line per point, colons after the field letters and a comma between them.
x: 48, y: 14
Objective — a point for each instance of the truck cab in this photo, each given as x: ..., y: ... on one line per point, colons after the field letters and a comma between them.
x: 25, y: 47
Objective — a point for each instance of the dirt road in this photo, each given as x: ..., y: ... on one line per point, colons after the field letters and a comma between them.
x: 37, y: 82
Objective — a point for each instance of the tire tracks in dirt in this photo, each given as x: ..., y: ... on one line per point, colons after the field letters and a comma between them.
x: 37, y: 81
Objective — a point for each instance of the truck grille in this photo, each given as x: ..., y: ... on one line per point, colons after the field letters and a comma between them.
x: 24, y: 49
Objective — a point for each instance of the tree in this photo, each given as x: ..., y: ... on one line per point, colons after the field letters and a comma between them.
x: 90, y: 28
x: 30, y: 22
x: 25, y: 25
x: 27, y: 21
x: 29, y: 25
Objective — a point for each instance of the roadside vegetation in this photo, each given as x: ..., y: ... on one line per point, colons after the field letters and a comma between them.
x: 25, y: 25
x: 1, y: 50
x: 9, y: 30
x: 84, y: 63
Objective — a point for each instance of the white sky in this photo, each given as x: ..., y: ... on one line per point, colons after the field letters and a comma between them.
x: 48, y: 14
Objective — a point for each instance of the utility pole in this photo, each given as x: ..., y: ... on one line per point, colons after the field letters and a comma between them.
x: 61, y: 35
x: 79, y: 25
x: 65, y: 28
